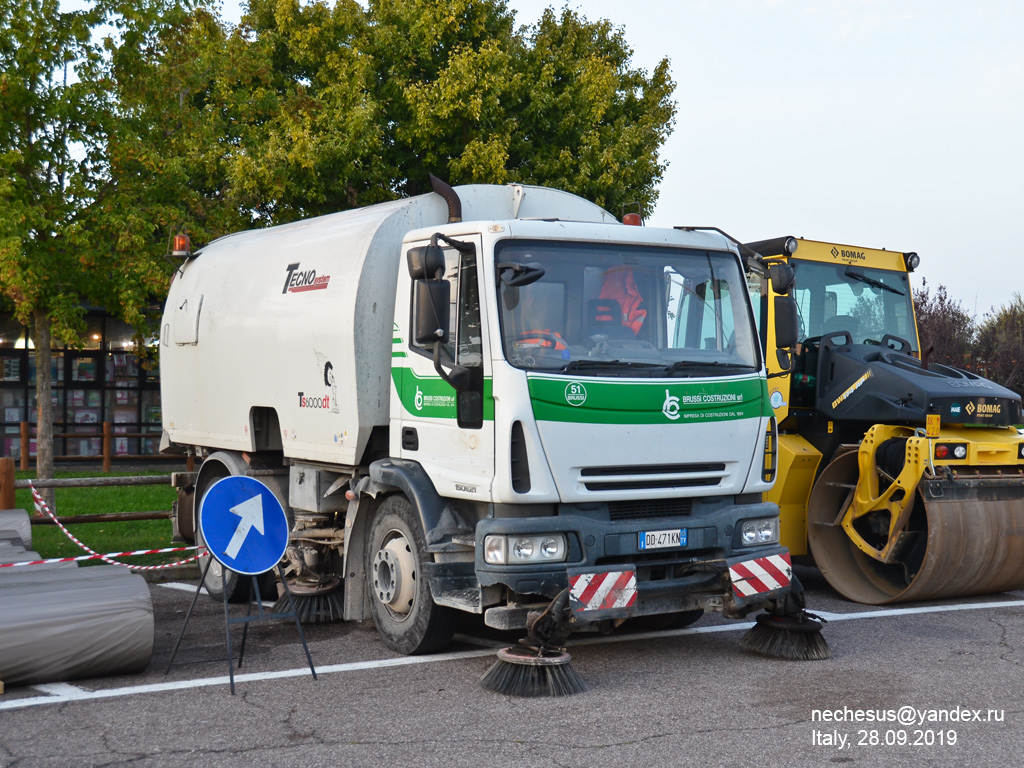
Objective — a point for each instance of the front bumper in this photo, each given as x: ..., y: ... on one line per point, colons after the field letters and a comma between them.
x: 612, y: 578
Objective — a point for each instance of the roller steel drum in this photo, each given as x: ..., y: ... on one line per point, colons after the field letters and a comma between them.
x: 963, y: 539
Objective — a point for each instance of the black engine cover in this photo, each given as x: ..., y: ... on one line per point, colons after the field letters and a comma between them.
x: 879, y: 384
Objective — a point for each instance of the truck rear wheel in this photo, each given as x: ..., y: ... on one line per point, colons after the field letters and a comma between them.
x: 406, y: 616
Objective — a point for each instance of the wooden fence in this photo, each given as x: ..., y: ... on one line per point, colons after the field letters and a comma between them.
x: 8, y: 485
x: 107, y: 454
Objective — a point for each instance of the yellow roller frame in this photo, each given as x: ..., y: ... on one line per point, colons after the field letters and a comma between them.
x: 897, y: 499
x: 798, y: 465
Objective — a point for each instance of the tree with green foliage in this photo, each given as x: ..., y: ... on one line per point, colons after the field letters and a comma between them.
x: 53, y: 107
x: 1001, y: 344
x: 78, y: 225
x: 363, y: 104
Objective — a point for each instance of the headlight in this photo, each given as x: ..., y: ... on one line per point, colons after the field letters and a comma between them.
x: 762, y: 531
x: 523, y: 549
x: 535, y: 548
x: 494, y: 550
x: 766, y: 531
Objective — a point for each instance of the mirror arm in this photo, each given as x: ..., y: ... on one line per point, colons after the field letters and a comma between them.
x: 456, y: 378
x: 458, y: 245
x: 788, y: 367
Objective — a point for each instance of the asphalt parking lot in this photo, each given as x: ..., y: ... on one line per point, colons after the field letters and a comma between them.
x: 948, y: 674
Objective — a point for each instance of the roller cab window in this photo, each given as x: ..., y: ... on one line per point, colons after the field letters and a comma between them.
x: 866, y: 302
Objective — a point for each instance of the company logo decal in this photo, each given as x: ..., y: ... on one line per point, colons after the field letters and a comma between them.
x: 575, y: 393
x: 984, y: 409
x: 328, y: 401
x: 671, y: 406
x: 432, y: 401
x: 297, y: 281
x: 955, y: 409
x: 837, y: 253
x: 314, y: 403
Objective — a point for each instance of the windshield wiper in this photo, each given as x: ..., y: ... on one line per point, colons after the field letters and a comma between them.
x: 582, y: 363
x: 682, y: 365
x: 872, y: 282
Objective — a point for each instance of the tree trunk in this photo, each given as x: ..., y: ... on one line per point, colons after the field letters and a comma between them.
x: 44, y: 402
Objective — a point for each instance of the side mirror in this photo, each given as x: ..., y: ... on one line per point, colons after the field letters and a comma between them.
x: 431, y: 299
x: 787, y: 322
x: 425, y: 261
x: 782, y: 277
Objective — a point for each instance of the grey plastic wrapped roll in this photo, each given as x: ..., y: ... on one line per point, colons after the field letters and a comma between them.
x: 16, y: 522
x: 15, y: 553
x: 68, y: 623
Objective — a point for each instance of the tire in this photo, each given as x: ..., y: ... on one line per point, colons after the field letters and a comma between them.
x: 407, y: 618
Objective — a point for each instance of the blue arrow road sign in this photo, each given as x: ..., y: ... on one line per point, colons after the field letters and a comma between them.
x: 243, y: 524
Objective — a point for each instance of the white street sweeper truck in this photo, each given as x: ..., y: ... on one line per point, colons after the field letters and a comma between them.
x: 483, y: 399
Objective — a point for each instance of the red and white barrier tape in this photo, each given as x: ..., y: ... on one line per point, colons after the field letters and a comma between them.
x: 109, y: 555
x: 43, y: 509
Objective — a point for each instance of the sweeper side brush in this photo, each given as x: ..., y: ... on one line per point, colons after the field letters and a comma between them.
x: 316, y: 602
x: 788, y: 631
x: 527, y: 672
x: 784, y: 637
x: 538, y: 666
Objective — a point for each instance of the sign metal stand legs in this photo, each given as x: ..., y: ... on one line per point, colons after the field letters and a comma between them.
x: 229, y: 620
x: 245, y: 529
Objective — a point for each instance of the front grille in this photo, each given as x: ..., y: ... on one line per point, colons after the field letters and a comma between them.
x: 651, y: 476
x: 633, y: 510
x: 651, y: 469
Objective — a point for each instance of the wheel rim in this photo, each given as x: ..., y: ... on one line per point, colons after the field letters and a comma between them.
x: 394, y: 575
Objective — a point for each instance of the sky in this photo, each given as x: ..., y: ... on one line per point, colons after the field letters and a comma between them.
x: 893, y: 124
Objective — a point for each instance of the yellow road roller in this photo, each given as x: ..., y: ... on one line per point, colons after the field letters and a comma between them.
x: 902, y: 478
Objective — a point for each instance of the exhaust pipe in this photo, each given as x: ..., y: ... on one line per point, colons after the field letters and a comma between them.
x: 450, y: 197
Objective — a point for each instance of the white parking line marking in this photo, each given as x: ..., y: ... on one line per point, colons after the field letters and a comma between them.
x: 192, y: 588
x: 62, y: 692
x: 248, y: 677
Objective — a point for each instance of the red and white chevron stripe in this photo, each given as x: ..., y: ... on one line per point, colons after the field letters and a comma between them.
x: 754, y: 577
x: 601, y: 591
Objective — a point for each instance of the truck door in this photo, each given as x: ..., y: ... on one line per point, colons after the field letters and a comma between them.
x: 449, y: 432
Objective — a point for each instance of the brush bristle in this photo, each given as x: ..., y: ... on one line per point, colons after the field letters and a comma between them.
x: 530, y: 680
x: 786, y: 644
x: 314, y: 609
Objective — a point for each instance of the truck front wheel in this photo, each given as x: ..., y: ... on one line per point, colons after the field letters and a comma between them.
x: 407, y: 618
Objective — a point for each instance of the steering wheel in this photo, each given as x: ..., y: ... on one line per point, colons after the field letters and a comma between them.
x: 552, y: 339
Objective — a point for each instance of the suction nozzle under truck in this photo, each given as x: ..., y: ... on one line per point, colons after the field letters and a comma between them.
x: 477, y: 415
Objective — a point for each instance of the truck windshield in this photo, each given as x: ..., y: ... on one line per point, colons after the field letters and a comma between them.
x: 603, y: 309
x: 868, y: 303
